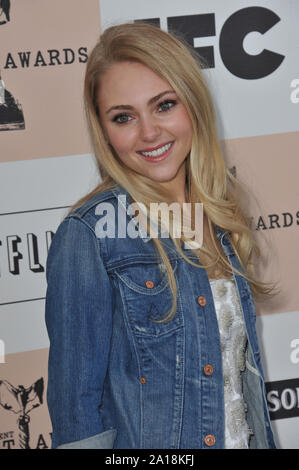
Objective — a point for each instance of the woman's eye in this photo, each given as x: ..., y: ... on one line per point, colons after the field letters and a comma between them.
x: 166, y: 105
x: 121, y: 118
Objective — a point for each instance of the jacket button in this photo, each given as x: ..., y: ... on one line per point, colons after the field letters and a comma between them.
x: 142, y: 380
x: 210, y: 440
x: 202, y: 300
x: 208, y: 369
x: 149, y: 284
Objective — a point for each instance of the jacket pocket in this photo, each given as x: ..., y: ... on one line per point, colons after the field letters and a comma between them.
x: 147, y: 298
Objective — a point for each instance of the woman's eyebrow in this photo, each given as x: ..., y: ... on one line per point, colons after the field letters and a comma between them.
x: 156, y: 98
x: 151, y: 101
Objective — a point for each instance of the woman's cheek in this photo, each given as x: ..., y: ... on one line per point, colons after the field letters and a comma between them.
x: 123, y: 140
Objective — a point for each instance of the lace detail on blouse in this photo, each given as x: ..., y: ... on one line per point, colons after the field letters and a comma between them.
x: 233, y: 340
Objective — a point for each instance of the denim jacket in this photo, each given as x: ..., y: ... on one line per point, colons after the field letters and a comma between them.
x: 118, y: 378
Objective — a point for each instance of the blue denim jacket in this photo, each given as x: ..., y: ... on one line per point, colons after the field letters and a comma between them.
x: 118, y: 379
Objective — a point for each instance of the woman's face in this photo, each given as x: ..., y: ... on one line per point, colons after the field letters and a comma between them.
x: 145, y: 122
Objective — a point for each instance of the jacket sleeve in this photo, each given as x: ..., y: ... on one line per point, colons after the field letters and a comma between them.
x: 79, y: 323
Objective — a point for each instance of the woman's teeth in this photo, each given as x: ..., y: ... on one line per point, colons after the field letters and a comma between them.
x: 158, y: 152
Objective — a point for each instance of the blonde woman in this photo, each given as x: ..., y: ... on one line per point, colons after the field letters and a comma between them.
x: 152, y: 337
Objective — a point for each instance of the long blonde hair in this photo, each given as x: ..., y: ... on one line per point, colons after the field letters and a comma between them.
x: 207, y: 179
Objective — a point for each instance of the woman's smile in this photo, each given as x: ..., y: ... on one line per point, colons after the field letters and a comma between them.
x: 156, y: 154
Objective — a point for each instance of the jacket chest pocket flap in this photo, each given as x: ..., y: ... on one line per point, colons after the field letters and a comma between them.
x: 147, y: 298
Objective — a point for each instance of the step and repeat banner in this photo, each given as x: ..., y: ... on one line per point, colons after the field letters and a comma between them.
x: 46, y: 165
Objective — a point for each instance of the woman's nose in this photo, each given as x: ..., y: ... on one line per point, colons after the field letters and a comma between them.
x: 149, y: 128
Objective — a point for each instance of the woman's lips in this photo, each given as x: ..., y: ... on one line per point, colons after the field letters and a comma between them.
x: 156, y: 154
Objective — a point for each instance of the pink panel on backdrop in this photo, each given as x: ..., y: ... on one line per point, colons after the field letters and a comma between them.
x: 24, y: 416
x: 269, y: 167
x: 43, y: 54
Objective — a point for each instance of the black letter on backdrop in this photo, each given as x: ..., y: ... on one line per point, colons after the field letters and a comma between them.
x: 83, y: 54
x: 196, y: 26
x: 54, y: 55
x: 34, y: 263
x: 274, y: 220
x: 40, y: 60
x: 10, y: 63
x: 233, y: 32
x: 13, y: 254
x: 152, y: 21
x: 68, y: 59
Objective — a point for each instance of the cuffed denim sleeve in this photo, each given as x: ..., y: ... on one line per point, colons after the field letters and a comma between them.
x: 79, y: 323
x: 105, y: 440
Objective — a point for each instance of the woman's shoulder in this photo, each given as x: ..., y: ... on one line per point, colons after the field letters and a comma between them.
x: 90, y: 212
x: 89, y: 205
x: 78, y: 227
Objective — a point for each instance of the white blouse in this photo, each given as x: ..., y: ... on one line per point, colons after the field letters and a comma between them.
x: 233, y: 340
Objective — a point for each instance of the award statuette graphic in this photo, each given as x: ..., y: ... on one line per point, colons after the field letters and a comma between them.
x: 11, y: 114
x: 4, y: 11
x: 21, y: 401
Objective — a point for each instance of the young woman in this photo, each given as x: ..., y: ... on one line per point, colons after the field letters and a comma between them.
x: 152, y: 339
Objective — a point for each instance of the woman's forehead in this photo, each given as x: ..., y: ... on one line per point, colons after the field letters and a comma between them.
x: 130, y: 82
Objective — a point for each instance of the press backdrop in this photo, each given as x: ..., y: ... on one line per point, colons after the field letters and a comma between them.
x: 46, y: 165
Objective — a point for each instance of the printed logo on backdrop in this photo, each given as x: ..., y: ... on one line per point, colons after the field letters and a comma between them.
x: 283, y: 395
x: 45, y: 58
x: 271, y: 221
x: 231, y: 38
x: 25, y: 239
x: 42, y: 70
x: 275, y: 221
x: 20, y: 401
x: 238, y: 46
x: 11, y: 113
x: 38, y: 58
x: 4, y: 11
x: 283, y: 398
